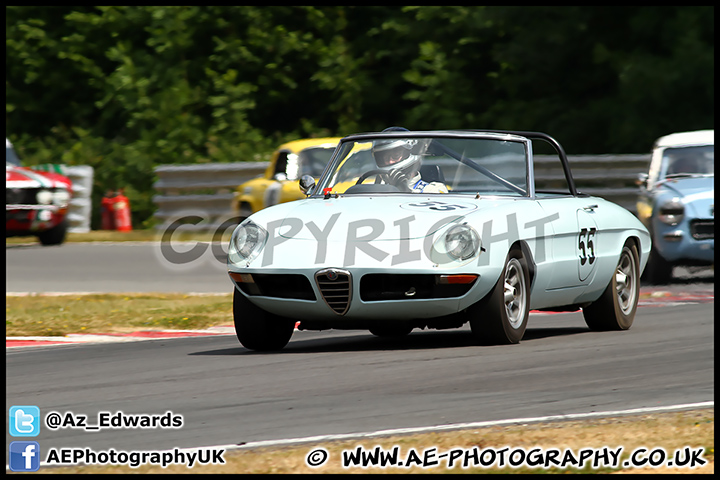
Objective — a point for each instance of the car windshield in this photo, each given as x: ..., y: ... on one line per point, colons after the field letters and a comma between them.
x: 689, y: 161
x: 486, y: 165
x: 312, y: 161
x: 10, y: 157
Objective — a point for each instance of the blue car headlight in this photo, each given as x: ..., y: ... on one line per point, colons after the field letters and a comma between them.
x: 671, y: 212
x: 247, y: 242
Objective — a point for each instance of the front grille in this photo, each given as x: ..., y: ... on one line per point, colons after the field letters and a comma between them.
x: 389, y: 286
x: 291, y: 286
x: 702, y: 229
x: 21, y: 196
x: 336, y: 288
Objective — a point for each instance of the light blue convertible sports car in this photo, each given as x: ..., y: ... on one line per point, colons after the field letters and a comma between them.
x: 676, y: 203
x: 433, y: 229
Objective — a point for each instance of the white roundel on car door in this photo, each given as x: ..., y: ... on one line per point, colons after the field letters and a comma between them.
x: 586, y: 246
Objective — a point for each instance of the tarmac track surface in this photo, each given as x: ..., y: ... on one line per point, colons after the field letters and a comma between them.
x: 337, y: 382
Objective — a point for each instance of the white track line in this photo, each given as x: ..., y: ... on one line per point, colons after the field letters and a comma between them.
x: 459, y: 426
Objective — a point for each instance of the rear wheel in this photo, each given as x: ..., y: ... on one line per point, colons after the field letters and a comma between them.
x: 616, y: 307
x: 502, y: 316
x: 257, y: 329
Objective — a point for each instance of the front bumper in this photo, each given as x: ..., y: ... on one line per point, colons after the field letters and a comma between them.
x: 690, y: 242
x: 342, y: 296
x: 32, y: 219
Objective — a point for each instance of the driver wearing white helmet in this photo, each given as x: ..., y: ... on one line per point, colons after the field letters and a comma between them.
x: 401, y: 159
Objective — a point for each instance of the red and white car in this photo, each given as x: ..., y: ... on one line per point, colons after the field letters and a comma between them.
x: 36, y: 203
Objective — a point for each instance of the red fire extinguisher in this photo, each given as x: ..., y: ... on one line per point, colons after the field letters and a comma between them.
x: 108, y: 218
x: 123, y: 222
x: 116, y: 212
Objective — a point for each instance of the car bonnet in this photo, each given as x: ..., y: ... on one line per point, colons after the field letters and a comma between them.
x: 691, y: 188
x: 367, y: 218
x: 21, y: 177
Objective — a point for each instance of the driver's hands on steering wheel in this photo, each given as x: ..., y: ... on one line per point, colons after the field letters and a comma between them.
x: 399, y: 179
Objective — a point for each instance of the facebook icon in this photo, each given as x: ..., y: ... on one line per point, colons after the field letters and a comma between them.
x: 24, y: 456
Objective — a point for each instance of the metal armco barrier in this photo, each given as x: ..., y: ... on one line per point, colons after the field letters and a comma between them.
x: 207, y: 189
x: 202, y: 188
x: 611, y: 177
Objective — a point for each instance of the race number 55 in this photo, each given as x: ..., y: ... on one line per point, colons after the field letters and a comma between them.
x: 585, y: 244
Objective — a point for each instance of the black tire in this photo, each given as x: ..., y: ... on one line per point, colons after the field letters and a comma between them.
x: 616, y: 307
x: 658, y: 271
x: 55, y: 235
x: 257, y: 329
x: 391, y: 329
x: 501, y: 317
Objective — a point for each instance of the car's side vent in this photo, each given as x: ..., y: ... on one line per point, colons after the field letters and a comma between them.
x: 335, y: 286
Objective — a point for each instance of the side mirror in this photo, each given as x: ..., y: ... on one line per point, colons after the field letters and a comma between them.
x: 307, y: 184
x: 641, y: 180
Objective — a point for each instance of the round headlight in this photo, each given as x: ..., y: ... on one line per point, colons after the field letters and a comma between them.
x: 44, y: 197
x: 61, y: 197
x: 247, y: 241
x: 462, y: 242
x: 671, y: 212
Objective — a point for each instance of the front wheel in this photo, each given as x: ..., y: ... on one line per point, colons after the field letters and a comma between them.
x: 257, y: 329
x: 54, y: 236
x: 658, y: 271
x: 502, y: 316
x: 616, y: 307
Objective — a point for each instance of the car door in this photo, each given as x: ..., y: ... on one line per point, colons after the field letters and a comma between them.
x: 575, y: 241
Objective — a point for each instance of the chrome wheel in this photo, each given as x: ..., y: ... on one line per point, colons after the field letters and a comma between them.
x: 616, y: 307
x: 626, y: 282
x: 514, y: 293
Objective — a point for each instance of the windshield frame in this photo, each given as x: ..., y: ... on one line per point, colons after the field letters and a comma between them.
x: 525, y: 138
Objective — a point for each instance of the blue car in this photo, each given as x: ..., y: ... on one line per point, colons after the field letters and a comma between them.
x: 677, y: 203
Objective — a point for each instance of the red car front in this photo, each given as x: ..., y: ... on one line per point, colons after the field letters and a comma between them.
x: 36, y: 203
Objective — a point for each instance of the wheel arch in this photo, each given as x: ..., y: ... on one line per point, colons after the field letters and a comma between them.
x: 527, y: 254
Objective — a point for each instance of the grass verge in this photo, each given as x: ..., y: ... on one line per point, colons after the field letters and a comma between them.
x: 113, y: 313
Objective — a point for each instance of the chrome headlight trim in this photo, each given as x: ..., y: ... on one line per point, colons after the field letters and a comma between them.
x: 462, y: 242
x: 671, y: 212
x: 247, y: 241
x: 455, y: 245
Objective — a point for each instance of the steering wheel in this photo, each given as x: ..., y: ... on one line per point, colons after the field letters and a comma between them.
x: 382, y: 173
